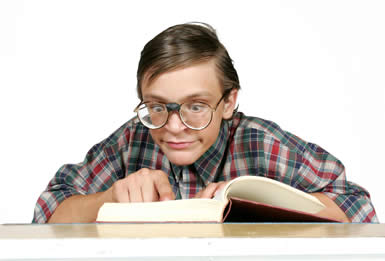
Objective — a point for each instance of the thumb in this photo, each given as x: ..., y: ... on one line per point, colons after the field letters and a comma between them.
x: 164, y: 189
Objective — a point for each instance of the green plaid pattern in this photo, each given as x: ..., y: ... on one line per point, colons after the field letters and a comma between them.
x: 245, y: 146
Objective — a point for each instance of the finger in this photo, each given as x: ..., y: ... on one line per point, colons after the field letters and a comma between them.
x: 123, y: 197
x: 135, y: 192
x: 211, y: 189
x: 149, y: 193
x: 222, y: 185
x: 120, y: 192
x: 198, y: 195
x: 163, y: 187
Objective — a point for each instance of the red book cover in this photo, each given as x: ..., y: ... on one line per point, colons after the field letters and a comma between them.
x: 241, y: 210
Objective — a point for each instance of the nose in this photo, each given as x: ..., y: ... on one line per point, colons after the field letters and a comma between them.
x: 174, y: 123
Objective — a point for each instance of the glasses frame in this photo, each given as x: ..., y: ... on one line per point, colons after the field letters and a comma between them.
x: 171, y: 107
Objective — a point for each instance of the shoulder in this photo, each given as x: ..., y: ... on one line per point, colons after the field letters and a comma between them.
x: 130, y: 131
x: 264, y: 130
x: 271, y: 138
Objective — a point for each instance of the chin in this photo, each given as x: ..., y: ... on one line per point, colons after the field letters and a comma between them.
x: 181, y: 158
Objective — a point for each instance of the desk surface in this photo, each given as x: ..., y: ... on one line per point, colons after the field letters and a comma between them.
x: 193, y: 241
x: 306, y: 230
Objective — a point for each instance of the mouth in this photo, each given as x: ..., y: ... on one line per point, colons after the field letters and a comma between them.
x: 179, y: 145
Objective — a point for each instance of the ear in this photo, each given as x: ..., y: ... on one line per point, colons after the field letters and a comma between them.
x: 229, y: 104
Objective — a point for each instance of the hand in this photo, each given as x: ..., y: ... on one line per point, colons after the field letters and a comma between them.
x: 332, y: 210
x: 145, y: 185
x: 211, y: 189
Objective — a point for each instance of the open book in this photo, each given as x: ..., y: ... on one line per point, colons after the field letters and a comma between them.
x: 244, y: 199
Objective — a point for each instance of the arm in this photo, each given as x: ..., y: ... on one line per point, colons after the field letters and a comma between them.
x: 77, y: 191
x: 79, y: 208
x: 308, y: 167
x: 142, y: 186
x: 323, y: 175
x: 332, y: 210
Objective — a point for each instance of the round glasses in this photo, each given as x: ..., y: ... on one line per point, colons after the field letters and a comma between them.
x: 194, y: 115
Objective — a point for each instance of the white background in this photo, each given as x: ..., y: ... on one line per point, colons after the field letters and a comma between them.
x: 68, y: 79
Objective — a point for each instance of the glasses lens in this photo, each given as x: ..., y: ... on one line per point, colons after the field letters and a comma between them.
x: 153, y: 115
x: 196, y: 115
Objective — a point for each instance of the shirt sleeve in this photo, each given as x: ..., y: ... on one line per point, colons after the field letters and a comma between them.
x: 99, y: 170
x: 319, y: 171
x: 310, y: 168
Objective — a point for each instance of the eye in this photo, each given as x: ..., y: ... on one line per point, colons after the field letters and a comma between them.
x: 196, y: 107
x: 155, y: 107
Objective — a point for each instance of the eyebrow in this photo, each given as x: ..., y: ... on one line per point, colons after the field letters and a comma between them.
x: 191, y: 96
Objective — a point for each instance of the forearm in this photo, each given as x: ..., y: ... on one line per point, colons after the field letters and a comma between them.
x: 80, y: 208
x: 332, y: 210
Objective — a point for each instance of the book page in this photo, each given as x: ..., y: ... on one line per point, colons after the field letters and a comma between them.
x: 272, y: 192
x: 187, y: 210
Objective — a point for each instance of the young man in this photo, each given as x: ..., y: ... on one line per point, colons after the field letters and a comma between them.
x: 188, y: 140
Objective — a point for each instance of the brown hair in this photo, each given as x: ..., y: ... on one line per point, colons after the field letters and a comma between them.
x: 182, y: 45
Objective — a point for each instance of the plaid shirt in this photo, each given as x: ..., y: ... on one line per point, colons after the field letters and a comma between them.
x: 245, y: 146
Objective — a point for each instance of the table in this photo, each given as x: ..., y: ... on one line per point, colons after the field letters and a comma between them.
x: 183, y: 241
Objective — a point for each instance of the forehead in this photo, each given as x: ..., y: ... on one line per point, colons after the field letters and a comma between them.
x: 199, y: 79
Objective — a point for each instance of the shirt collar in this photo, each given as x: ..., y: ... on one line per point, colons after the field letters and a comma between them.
x: 209, y: 163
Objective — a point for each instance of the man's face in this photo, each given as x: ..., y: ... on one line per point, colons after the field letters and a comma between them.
x: 198, y: 82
